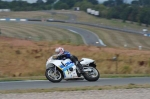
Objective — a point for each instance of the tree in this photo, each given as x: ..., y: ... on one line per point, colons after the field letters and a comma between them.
x: 125, y: 14
x: 135, y: 2
x: 40, y: 2
x: 118, y: 2
x: 134, y: 13
x: 61, y: 5
x: 84, y: 5
x: 101, y: 8
x: 50, y: 1
x: 109, y: 3
x: 94, y: 2
x: 70, y: 3
x: 144, y: 16
x: 144, y: 2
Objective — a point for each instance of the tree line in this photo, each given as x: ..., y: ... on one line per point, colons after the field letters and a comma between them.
x: 136, y: 11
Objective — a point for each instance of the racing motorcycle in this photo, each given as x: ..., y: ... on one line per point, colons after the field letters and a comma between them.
x: 56, y: 70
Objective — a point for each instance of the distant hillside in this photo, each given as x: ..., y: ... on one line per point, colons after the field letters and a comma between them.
x: 137, y: 11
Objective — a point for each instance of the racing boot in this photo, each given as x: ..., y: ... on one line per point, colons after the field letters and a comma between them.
x: 80, y: 67
x: 81, y: 70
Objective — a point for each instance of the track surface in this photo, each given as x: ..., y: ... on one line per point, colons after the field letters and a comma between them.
x: 74, y: 83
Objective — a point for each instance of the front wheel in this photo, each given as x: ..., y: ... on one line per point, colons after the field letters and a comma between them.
x: 91, y: 75
x: 53, y: 75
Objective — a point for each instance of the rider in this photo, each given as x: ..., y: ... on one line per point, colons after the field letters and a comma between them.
x: 61, y: 54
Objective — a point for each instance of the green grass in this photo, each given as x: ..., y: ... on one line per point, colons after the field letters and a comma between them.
x: 101, y: 76
x: 114, y: 38
x: 32, y: 14
x: 38, y: 32
x: 108, y: 87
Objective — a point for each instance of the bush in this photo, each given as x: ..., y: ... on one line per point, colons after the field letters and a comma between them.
x: 126, y: 69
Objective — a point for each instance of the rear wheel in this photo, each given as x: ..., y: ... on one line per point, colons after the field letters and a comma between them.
x: 91, y: 75
x: 53, y: 76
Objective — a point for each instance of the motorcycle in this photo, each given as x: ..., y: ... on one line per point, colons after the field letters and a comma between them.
x: 56, y: 70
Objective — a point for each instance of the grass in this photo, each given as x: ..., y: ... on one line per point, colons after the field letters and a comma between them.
x: 114, y: 38
x: 84, y: 17
x: 2, y: 79
x: 38, y: 32
x: 31, y: 58
x: 32, y: 14
x: 109, y: 87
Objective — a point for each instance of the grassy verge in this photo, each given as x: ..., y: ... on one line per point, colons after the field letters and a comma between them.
x: 31, y: 60
x: 123, y: 75
x: 129, y: 86
x: 102, y: 76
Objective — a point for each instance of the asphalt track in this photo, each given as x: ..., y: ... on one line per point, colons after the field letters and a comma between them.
x: 45, y: 84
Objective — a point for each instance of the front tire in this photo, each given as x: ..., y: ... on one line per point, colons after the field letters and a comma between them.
x: 92, y: 75
x: 52, y: 76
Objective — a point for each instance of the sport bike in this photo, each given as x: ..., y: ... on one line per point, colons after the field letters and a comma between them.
x: 56, y: 70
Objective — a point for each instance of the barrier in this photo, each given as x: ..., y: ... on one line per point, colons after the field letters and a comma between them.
x: 2, y: 19
x: 14, y: 19
x: 23, y: 19
x: 34, y: 20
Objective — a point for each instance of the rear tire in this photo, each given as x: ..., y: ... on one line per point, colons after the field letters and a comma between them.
x: 89, y: 75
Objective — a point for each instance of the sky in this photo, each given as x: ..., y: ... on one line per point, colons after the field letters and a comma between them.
x: 32, y: 1
x: 127, y: 1
x: 29, y: 1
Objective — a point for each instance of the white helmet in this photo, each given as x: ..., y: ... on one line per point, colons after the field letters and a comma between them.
x: 59, y: 51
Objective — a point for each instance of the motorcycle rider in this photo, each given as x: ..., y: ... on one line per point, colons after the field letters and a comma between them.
x: 62, y: 54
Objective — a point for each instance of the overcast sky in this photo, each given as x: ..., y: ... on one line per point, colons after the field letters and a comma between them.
x: 128, y: 1
x: 31, y: 1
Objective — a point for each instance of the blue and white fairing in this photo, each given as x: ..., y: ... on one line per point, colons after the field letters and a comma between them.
x: 68, y: 68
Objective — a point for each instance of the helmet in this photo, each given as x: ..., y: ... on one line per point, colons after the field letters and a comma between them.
x: 59, y: 51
